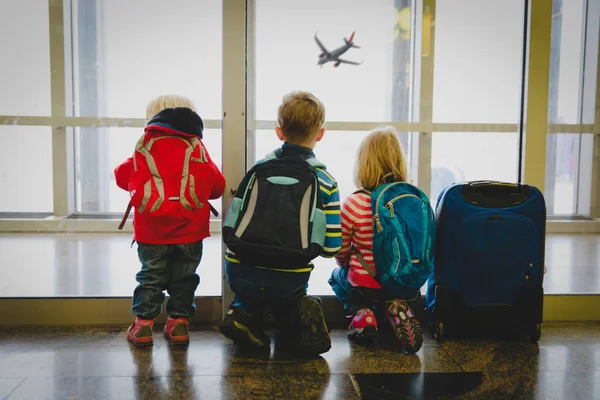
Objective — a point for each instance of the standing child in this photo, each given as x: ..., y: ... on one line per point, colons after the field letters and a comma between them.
x: 170, y: 178
x: 381, y: 160
x: 286, y: 212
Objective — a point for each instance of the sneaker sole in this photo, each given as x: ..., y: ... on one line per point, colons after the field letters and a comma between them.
x: 177, y: 340
x: 138, y: 343
x: 368, y: 333
x: 242, y: 336
x: 315, y: 338
x: 145, y: 341
x: 401, y: 331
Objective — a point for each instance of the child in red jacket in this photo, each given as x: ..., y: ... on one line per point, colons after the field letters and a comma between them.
x: 170, y: 178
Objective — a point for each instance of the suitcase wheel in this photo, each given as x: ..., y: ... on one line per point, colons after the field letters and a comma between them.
x: 535, y: 333
x: 439, y: 331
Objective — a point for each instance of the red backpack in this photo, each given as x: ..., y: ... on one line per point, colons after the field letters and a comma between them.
x: 162, y: 185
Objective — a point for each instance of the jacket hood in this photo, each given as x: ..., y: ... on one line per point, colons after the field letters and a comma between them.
x: 180, y: 119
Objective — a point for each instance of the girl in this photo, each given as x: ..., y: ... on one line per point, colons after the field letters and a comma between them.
x: 381, y: 159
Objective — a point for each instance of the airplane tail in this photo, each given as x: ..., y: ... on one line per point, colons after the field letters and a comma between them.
x: 348, y: 41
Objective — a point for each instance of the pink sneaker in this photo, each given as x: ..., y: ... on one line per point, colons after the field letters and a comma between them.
x: 140, y: 332
x: 363, y: 325
x: 405, y: 326
x: 177, y: 330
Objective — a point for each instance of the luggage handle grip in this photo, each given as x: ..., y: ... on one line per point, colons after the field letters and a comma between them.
x: 495, y: 194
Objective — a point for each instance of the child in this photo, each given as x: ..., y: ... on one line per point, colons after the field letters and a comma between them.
x: 301, y: 119
x: 380, y: 160
x: 171, y: 178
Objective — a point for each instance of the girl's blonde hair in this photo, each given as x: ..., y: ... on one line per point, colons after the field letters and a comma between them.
x: 159, y: 103
x: 380, y: 158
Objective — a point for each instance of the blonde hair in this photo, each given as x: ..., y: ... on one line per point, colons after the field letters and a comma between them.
x: 380, y: 157
x: 167, y: 101
x: 300, y: 116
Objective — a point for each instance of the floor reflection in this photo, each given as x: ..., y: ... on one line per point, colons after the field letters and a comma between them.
x: 99, y: 363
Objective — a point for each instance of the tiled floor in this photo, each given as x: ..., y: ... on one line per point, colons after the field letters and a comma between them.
x: 100, y: 364
x: 63, y: 265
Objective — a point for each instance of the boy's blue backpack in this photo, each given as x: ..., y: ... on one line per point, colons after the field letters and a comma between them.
x: 404, y: 238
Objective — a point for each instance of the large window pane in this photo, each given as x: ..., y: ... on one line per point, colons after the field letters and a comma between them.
x: 26, y: 169
x: 127, y: 52
x: 286, y: 56
x: 571, y: 100
x: 96, y: 190
x: 25, y: 49
x: 337, y: 151
x: 459, y: 157
x: 478, y: 61
x: 562, y: 170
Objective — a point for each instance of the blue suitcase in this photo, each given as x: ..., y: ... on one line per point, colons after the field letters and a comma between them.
x: 488, y: 269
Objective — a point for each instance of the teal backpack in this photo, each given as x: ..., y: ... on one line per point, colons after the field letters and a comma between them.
x: 404, y: 238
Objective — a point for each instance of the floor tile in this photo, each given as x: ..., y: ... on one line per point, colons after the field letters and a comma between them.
x: 8, y: 385
x: 427, y: 385
x: 107, y: 361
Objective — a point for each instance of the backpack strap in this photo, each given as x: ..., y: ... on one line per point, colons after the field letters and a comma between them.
x: 371, y: 271
x: 129, y: 207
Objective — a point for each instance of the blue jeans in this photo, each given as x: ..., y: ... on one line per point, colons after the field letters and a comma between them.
x: 254, y: 288
x: 170, y: 267
x: 354, y: 298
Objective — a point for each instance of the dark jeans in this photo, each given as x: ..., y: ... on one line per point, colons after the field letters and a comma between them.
x: 170, y: 267
x: 255, y: 288
x: 354, y: 298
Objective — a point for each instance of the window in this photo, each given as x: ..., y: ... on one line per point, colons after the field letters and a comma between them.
x: 95, y: 187
x: 286, y: 56
x: 25, y: 49
x: 472, y: 156
x: 125, y: 54
x: 26, y: 169
x: 478, y: 61
x: 571, y: 100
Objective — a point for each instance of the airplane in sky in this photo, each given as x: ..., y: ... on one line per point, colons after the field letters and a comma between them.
x: 334, y: 56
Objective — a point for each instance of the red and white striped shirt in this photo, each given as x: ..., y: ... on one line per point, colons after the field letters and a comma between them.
x: 357, y: 230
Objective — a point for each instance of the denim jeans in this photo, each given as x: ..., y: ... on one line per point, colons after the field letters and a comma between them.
x: 170, y: 267
x: 254, y: 288
x: 354, y: 298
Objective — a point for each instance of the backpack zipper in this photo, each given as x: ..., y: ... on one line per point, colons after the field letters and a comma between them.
x: 390, y: 204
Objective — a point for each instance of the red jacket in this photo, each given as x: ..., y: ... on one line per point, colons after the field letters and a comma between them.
x: 175, y: 121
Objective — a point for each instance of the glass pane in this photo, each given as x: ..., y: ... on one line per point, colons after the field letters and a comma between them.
x: 562, y: 165
x: 100, y: 150
x: 26, y: 169
x: 25, y: 49
x: 337, y: 151
x: 287, y: 55
x: 478, y: 61
x: 566, y: 62
x: 472, y: 156
x: 87, y: 265
x: 141, y: 49
x: 571, y: 100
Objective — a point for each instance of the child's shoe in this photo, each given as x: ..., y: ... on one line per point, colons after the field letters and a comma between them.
x: 244, y: 329
x: 177, y: 331
x: 314, y: 336
x: 140, y: 332
x: 363, y: 325
x: 405, y: 326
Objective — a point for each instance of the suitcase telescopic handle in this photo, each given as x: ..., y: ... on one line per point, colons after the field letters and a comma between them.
x: 495, y: 194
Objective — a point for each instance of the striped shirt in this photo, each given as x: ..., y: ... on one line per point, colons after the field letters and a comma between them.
x: 357, y: 231
x: 330, y: 196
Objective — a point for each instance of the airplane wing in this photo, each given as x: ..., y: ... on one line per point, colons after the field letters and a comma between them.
x: 349, y: 62
x: 323, y: 49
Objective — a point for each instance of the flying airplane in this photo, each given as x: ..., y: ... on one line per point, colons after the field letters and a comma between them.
x: 334, y: 56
